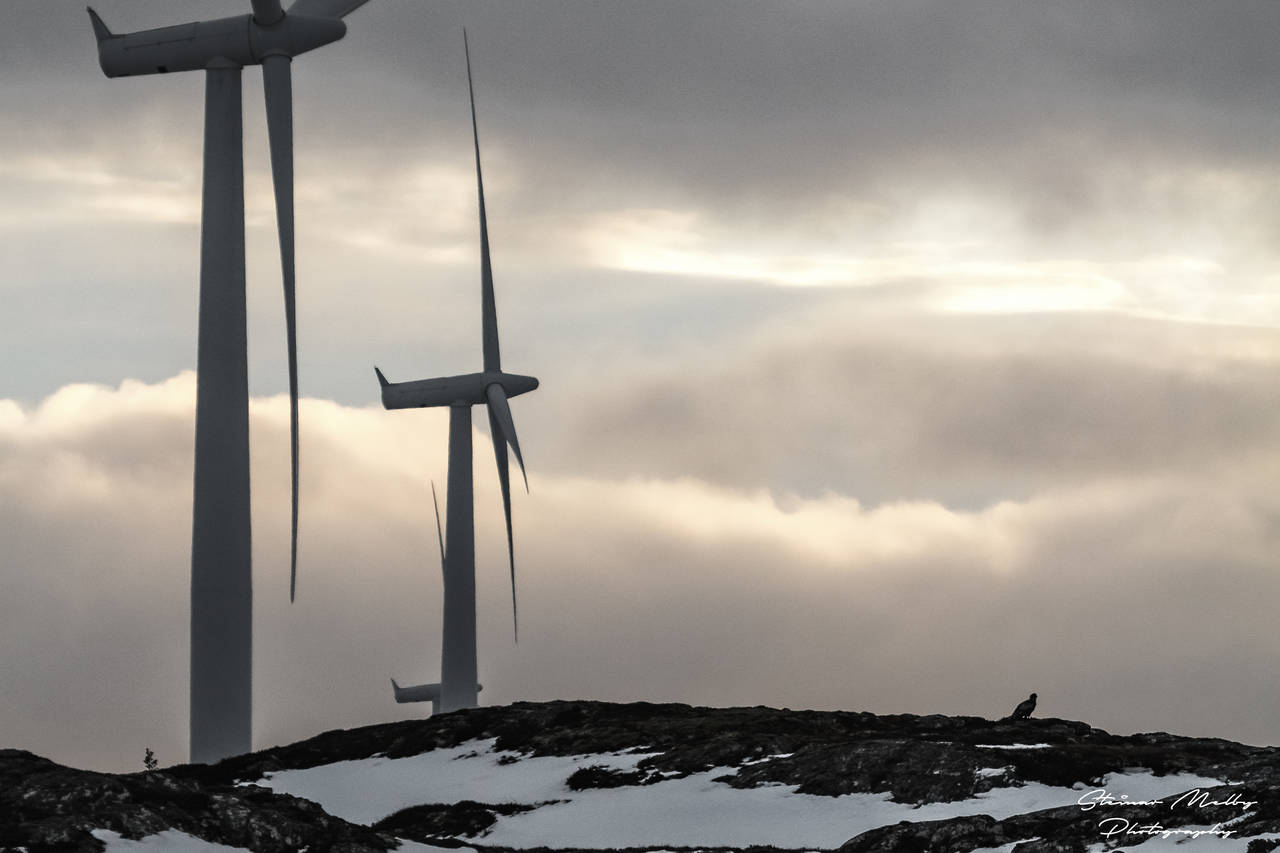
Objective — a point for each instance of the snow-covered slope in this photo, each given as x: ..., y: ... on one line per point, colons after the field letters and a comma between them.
x: 700, y: 809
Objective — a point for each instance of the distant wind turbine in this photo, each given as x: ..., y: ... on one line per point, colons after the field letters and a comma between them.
x: 221, y: 575
x: 458, y: 686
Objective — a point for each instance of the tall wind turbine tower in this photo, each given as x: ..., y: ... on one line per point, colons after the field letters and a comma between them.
x: 458, y: 684
x: 221, y: 576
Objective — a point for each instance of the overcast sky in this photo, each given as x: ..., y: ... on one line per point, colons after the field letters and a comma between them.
x: 896, y: 356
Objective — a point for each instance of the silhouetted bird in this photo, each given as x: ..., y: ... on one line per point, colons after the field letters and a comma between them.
x: 1024, y: 709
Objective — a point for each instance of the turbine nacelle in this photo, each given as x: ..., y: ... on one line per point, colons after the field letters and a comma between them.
x: 467, y: 389
x: 192, y: 47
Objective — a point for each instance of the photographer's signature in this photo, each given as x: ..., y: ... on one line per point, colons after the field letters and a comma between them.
x: 1193, y: 799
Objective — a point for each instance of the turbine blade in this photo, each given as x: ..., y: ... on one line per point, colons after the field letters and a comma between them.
x: 100, y: 30
x: 439, y: 530
x: 497, y: 396
x: 266, y: 12
x: 278, y: 88
x: 504, y: 480
x: 325, y: 8
x: 488, y: 310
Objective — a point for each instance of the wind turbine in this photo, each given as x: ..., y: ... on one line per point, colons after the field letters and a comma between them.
x: 458, y: 684
x: 221, y: 575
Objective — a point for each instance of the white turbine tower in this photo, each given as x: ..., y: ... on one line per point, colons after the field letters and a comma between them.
x: 221, y: 576
x: 458, y: 684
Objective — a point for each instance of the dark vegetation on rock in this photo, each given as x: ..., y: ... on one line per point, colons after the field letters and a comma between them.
x: 438, y: 823
x: 913, y: 759
x: 45, y: 807
x: 600, y: 776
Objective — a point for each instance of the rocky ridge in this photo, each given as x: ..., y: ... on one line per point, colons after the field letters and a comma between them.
x: 913, y: 759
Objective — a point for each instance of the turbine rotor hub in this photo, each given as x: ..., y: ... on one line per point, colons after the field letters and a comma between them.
x: 294, y: 34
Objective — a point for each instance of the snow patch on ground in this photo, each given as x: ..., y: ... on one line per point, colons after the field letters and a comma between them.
x: 369, y: 789
x: 1144, y: 785
x: 1013, y: 745
x: 1003, y: 848
x: 169, y: 841
x: 407, y: 846
x: 686, y: 812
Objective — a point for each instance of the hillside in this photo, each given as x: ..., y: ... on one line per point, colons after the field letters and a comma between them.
x: 589, y: 775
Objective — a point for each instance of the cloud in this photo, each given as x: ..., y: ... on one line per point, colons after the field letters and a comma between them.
x: 849, y: 397
x: 1017, y: 132
x: 1112, y: 598
x: 650, y: 170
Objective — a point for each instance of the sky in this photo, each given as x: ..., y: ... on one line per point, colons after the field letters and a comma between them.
x: 899, y: 357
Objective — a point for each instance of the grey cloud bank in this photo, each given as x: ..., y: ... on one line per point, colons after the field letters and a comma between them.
x: 898, y: 407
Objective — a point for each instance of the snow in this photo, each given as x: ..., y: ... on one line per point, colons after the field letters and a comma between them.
x: 685, y: 812
x: 1144, y: 785
x: 369, y: 789
x: 418, y: 847
x: 169, y: 841
x: 1013, y: 745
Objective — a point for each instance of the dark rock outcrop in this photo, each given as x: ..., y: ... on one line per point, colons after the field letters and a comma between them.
x: 599, y: 776
x: 930, y: 836
x: 916, y: 759
x: 47, y: 807
x: 441, y: 823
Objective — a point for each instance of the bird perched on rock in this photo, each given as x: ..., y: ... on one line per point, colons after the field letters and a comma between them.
x: 1024, y: 709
